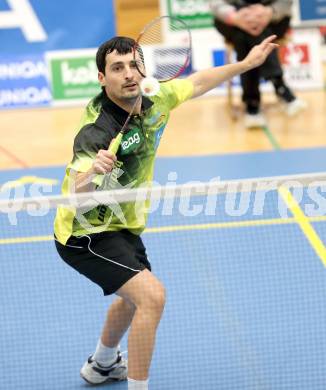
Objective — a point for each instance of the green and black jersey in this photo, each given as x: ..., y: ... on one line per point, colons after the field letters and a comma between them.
x: 101, y: 122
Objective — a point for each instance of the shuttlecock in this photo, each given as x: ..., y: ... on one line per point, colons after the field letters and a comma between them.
x: 149, y: 86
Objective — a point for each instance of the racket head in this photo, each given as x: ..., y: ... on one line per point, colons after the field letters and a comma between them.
x: 174, y: 58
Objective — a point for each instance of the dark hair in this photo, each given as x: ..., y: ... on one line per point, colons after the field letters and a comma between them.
x: 122, y: 45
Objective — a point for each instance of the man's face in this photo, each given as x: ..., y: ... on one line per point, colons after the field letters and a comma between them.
x: 121, y: 79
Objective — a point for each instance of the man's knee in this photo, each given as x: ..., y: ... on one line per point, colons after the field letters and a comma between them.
x: 155, y: 298
x: 144, y: 291
x: 125, y: 304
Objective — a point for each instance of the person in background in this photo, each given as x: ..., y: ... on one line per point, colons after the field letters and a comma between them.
x: 245, y: 23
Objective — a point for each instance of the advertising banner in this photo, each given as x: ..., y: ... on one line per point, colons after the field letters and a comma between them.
x: 196, y: 13
x: 73, y: 75
x: 312, y: 12
x: 198, y: 17
x: 302, y: 60
x: 24, y: 81
x: 37, y: 26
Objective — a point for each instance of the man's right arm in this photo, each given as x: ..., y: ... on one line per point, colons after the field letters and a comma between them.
x: 103, y: 163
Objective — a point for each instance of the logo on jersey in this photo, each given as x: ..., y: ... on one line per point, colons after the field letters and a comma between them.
x: 131, y: 141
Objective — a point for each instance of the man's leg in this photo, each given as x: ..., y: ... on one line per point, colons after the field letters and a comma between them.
x: 117, y: 322
x: 272, y: 70
x: 250, y: 91
x: 147, y: 294
x: 249, y: 82
x: 141, y: 303
x: 106, y: 362
x: 242, y: 43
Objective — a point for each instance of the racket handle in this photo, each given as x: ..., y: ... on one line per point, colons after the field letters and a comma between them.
x: 114, y: 145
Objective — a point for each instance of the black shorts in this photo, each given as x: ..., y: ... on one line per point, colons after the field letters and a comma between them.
x: 109, y: 259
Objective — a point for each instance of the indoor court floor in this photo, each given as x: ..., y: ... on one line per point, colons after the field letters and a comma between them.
x: 246, y: 289
x: 245, y: 301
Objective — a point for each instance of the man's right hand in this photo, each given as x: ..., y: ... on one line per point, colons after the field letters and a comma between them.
x: 104, y: 162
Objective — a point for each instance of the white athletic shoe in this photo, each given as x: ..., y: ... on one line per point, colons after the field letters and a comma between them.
x: 94, y: 373
x: 252, y: 121
x: 294, y: 107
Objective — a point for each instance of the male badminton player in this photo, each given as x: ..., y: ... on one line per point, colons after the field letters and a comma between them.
x: 104, y: 243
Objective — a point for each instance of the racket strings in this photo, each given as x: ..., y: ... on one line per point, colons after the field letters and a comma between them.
x: 168, y: 60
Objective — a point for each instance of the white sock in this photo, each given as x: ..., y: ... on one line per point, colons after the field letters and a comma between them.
x: 104, y: 355
x: 137, y: 385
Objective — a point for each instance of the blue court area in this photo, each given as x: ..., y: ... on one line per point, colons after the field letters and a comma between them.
x: 246, y: 291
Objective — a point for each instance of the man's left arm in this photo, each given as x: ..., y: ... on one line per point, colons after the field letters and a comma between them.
x: 205, y: 80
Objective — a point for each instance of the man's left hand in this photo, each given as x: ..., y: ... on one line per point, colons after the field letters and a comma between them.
x: 259, y: 53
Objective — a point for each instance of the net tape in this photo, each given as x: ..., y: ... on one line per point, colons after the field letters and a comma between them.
x: 191, y: 189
